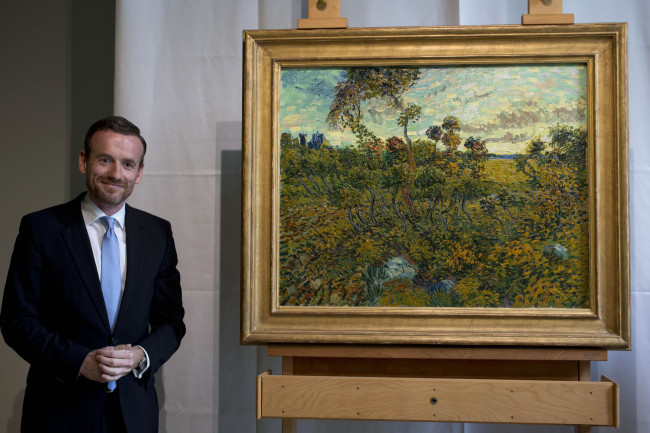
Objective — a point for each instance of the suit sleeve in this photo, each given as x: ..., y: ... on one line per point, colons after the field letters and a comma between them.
x: 24, y: 310
x: 166, y: 313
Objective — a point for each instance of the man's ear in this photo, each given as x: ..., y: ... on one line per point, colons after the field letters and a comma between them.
x: 82, y: 162
x: 139, y: 177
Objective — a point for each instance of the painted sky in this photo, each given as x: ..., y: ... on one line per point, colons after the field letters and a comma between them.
x: 506, y: 106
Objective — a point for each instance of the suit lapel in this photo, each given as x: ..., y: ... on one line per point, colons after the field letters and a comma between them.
x: 135, y: 252
x: 75, y: 236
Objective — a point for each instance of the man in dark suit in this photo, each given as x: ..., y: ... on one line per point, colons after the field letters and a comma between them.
x: 92, y: 366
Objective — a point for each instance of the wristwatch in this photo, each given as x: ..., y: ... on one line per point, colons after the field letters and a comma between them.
x: 143, y: 363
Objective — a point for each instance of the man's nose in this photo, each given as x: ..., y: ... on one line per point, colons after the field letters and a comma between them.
x: 114, y: 171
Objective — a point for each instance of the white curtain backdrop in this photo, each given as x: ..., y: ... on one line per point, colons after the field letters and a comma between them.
x: 178, y: 76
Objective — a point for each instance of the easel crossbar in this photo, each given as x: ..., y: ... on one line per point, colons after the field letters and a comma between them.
x: 448, y: 400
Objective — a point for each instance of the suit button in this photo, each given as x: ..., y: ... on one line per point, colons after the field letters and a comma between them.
x: 114, y: 341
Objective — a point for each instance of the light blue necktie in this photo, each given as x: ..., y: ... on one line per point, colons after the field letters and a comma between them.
x: 111, y: 274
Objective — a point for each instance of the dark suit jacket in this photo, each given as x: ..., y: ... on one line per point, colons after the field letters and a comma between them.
x: 53, y: 314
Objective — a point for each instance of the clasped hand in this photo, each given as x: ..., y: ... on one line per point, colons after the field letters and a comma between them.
x: 111, y: 362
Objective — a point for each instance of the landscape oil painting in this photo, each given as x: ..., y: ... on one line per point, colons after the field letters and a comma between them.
x: 434, y: 186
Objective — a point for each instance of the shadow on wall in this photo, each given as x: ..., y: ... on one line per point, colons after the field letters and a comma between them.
x: 235, y: 365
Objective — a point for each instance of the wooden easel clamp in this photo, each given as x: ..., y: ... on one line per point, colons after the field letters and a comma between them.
x: 323, y: 14
x: 546, y: 12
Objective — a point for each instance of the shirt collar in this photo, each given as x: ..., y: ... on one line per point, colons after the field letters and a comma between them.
x: 92, y: 213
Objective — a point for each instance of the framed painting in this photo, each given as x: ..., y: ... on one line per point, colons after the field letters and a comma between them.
x: 439, y: 186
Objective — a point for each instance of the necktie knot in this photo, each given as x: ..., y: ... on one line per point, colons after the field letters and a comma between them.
x: 108, y: 222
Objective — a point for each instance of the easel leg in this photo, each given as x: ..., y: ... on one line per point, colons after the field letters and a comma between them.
x: 289, y: 425
x: 584, y: 375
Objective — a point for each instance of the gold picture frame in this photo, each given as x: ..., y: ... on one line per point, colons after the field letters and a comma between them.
x: 604, y: 322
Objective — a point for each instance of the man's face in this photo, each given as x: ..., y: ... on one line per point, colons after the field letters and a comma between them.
x: 112, y: 169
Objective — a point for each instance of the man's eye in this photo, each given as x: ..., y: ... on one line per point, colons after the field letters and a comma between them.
x: 129, y: 165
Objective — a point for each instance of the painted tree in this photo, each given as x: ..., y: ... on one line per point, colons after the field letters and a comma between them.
x: 387, y: 84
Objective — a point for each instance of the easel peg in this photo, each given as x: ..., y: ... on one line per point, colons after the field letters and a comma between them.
x: 323, y: 14
x: 546, y: 12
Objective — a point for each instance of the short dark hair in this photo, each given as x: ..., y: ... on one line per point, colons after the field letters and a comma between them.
x: 116, y: 124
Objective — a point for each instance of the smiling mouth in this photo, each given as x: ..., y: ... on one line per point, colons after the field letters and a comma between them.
x: 113, y: 185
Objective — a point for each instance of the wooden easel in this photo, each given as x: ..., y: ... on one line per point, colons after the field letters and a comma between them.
x: 444, y: 384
